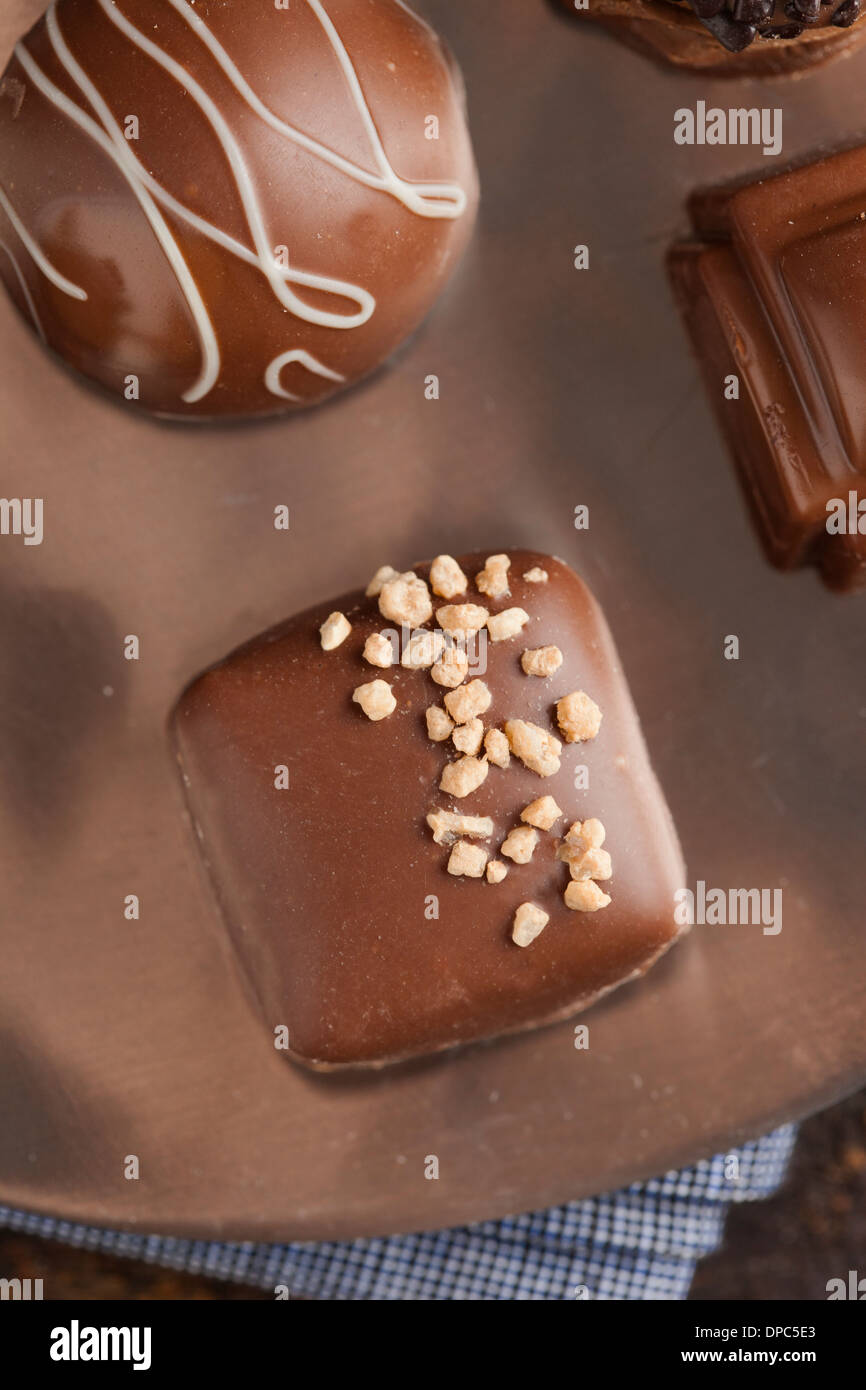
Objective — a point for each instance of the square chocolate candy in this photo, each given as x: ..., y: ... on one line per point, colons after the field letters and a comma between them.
x: 428, y: 811
x: 773, y: 292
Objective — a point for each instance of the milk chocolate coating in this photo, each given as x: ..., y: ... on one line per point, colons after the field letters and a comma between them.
x: 732, y: 38
x: 218, y: 210
x: 326, y: 887
x: 774, y: 293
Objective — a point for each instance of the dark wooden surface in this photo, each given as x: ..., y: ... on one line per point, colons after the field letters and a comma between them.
x: 786, y: 1248
x: 812, y: 1231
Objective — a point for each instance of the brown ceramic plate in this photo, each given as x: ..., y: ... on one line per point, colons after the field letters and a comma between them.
x: 558, y: 387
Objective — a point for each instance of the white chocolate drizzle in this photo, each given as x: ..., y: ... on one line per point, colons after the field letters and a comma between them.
x: 127, y: 164
x: 426, y: 199
x: 48, y: 270
x: 430, y: 200
x: 306, y: 359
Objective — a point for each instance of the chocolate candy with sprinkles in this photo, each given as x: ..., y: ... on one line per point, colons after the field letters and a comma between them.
x: 438, y: 865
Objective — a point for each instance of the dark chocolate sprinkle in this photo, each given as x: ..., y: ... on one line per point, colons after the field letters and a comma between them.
x: 731, y: 35
x: 752, y: 11
x: 846, y: 14
x: 807, y: 10
x: 735, y: 23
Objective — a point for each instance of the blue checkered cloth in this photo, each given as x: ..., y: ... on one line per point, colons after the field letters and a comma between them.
x: 642, y: 1242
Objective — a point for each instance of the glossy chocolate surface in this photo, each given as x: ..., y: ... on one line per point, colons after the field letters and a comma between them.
x: 221, y: 210
x: 774, y: 293
x: 326, y: 885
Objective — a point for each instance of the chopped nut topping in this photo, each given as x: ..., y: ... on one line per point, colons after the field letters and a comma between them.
x: 405, y: 599
x: 448, y: 826
x: 507, y: 624
x: 378, y: 650
x: 536, y: 575
x: 439, y: 725
x: 446, y: 577
x: 520, y: 844
x: 529, y: 922
x: 465, y: 776
x: 422, y: 649
x: 496, y: 871
x: 496, y: 748
x: 452, y: 668
x: 536, y: 749
x: 585, y: 896
x: 541, y: 813
x: 467, y: 737
x: 578, y: 717
x: 334, y: 630
x: 467, y: 701
x: 493, y: 579
x: 461, y: 619
x: 467, y: 859
x: 374, y: 588
x: 375, y: 699
x: 593, y: 863
x: 588, y: 834
x: 542, y: 661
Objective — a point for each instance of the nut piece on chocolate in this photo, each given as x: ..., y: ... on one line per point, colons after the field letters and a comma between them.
x: 439, y: 726
x: 468, y: 701
x: 496, y: 748
x: 542, y: 661
x: 585, y: 896
x: 405, y: 599
x: 463, y: 777
x: 542, y: 813
x: 447, y: 579
x: 493, y: 579
x: 773, y: 291
x: 323, y: 887
x: 507, y: 624
x: 451, y: 669
x: 535, y: 747
x: 381, y: 577
x: 422, y: 650
x: 448, y: 825
x: 467, y: 860
x: 467, y: 737
x: 592, y: 863
x: 529, y: 922
x: 334, y: 630
x: 376, y: 699
x: 378, y: 650
x: 280, y: 221
x: 519, y: 844
x: 582, y: 835
x: 461, y: 620
x: 578, y: 717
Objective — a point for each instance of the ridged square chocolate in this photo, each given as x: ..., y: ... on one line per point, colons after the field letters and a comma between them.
x: 349, y: 928
x: 773, y: 292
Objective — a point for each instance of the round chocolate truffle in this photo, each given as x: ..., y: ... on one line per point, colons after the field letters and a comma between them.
x: 219, y: 209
